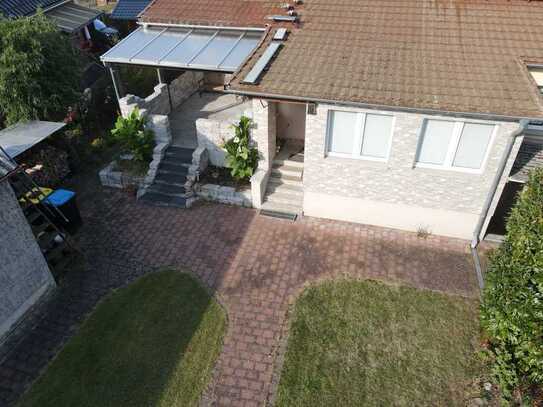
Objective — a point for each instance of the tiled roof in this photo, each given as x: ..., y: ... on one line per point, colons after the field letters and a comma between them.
x: 19, y: 8
x: 232, y: 13
x: 129, y: 9
x: 530, y: 156
x: 445, y: 55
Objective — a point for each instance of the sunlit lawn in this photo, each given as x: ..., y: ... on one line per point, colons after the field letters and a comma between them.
x: 370, y: 344
x: 153, y: 343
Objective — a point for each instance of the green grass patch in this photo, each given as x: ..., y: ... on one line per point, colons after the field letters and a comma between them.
x: 368, y: 344
x: 153, y: 343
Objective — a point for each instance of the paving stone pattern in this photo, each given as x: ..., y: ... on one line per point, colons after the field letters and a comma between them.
x: 255, y: 265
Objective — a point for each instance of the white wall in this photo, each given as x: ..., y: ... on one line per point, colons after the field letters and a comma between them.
x: 291, y: 121
x: 395, y: 193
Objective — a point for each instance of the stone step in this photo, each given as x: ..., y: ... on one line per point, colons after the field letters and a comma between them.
x: 288, y: 163
x: 173, y: 168
x: 169, y: 189
x: 176, y: 161
x: 170, y: 178
x: 292, y: 189
x: 286, y: 170
x: 285, y: 198
x: 283, y: 208
x: 285, y: 179
x: 182, y: 154
x: 164, y: 200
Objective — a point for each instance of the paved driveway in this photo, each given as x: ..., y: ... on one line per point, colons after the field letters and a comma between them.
x: 255, y: 265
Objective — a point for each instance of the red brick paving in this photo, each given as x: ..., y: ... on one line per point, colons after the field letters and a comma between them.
x: 256, y: 265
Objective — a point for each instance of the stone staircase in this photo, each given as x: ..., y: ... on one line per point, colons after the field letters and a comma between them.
x: 284, y: 193
x: 168, y: 187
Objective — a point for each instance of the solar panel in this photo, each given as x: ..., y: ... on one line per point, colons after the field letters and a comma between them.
x: 263, y: 61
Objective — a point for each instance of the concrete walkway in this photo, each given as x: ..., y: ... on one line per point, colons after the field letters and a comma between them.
x: 255, y: 266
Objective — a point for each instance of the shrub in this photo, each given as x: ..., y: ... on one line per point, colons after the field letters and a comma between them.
x: 39, y: 69
x: 512, y: 308
x: 241, y: 157
x: 130, y: 132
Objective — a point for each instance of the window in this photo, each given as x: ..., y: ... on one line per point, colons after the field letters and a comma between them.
x: 359, y: 135
x: 455, y: 145
x: 537, y: 74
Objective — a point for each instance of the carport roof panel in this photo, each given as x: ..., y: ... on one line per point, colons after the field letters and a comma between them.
x: 190, y: 48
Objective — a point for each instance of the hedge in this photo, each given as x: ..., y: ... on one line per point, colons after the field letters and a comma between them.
x: 512, y: 306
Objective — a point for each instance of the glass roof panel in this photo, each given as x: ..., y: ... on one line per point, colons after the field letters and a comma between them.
x: 125, y: 49
x: 217, y: 49
x: 160, y: 47
x: 182, y: 54
x: 241, y: 51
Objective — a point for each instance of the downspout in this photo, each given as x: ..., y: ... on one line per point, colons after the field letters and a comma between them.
x: 490, y: 198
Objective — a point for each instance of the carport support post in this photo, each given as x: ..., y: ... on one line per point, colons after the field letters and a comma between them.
x: 159, y: 74
x: 117, y: 83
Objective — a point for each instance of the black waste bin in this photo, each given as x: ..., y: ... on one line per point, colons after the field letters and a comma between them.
x: 63, y: 201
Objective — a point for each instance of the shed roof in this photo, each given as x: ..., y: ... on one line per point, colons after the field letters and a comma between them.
x: 20, y: 8
x: 22, y: 136
x: 71, y: 17
x: 129, y: 9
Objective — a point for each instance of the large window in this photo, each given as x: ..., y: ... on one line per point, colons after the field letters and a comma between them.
x: 359, y: 135
x: 454, y: 145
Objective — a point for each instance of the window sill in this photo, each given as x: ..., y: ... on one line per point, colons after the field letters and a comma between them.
x: 364, y: 162
x: 449, y: 170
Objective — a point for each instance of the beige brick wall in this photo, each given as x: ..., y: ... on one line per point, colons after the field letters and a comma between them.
x: 411, y: 197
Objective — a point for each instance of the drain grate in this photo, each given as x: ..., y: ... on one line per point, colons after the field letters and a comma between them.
x: 280, y: 215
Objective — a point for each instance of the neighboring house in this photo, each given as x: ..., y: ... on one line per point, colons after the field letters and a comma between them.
x: 129, y: 10
x: 393, y: 113
x: 24, y: 274
x: 71, y: 18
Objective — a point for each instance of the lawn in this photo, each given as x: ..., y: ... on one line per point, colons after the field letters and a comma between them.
x: 369, y: 344
x: 153, y: 343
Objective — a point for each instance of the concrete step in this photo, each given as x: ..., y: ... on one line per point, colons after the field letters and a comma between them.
x: 170, y: 178
x: 163, y: 200
x: 283, y: 208
x: 288, y: 163
x: 181, y: 154
x: 169, y: 189
x: 176, y: 161
x: 285, y: 198
x: 174, y: 168
x: 292, y: 189
x: 285, y: 179
x: 287, y: 170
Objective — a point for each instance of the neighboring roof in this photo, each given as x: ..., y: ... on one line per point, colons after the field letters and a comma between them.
x: 20, y: 8
x: 454, y: 56
x: 530, y: 156
x: 22, y: 136
x: 129, y: 9
x: 71, y: 17
x: 227, y: 13
x: 203, y: 49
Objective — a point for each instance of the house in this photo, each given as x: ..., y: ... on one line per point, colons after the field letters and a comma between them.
x: 73, y: 19
x: 399, y: 113
x: 129, y: 10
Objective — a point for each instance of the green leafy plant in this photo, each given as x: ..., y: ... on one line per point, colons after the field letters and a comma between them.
x: 241, y: 157
x: 131, y: 133
x: 512, y: 308
x: 39, y: 70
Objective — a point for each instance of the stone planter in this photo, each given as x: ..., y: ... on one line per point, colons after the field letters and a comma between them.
x: 226, y: 195
x: 111, y: 176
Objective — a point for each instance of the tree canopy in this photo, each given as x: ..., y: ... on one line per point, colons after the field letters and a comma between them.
x: 39, y: 69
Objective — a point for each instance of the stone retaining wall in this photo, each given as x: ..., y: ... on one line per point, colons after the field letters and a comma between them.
x: 225, y: 195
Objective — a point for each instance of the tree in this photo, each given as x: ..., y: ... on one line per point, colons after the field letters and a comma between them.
x: 512, y: 308
x: 39, y: 69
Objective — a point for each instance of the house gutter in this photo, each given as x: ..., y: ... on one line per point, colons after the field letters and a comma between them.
x: 207, y: 27
x: 490, y: 198
x: 279, y: 97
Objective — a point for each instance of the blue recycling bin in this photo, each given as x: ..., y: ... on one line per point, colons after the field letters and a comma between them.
x: 64, y: 201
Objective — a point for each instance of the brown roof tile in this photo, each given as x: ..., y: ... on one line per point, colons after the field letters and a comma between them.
x: 448, y: 55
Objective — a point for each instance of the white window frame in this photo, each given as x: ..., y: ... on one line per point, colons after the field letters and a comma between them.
x: 454, y: 142
x: 358, y: 136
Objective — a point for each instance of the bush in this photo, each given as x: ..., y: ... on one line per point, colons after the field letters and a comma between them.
x: 241, y: 157
x: 39, y: 69
x: 512, y: 309
x: 130, y: 132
